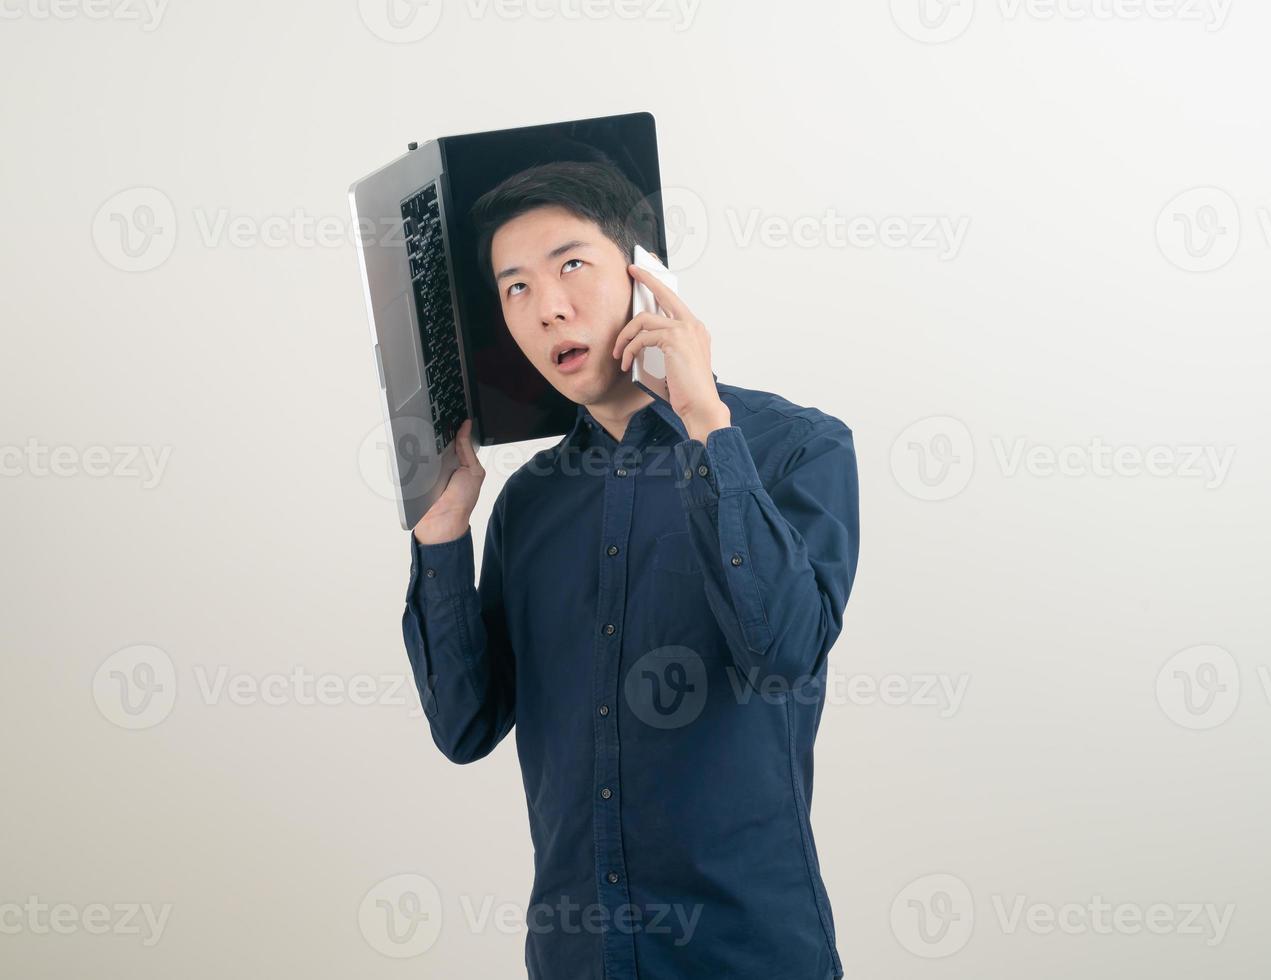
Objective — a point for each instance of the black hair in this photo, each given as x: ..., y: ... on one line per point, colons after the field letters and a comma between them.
x: 595, y: 191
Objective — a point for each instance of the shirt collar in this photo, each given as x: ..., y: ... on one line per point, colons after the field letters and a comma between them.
x: 660, y: 406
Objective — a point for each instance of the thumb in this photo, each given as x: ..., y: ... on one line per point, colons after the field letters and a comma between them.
x: 463, y: 444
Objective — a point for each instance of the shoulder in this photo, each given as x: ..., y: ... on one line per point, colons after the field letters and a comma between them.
x: 544, y: 473
x: 544, y: 463
x: 776, y: 426
x: 761, y: 410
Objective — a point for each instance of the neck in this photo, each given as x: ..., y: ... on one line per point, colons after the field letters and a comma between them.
x: 616, y: 408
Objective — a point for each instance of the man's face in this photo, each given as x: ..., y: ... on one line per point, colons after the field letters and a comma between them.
x: 561, y: 281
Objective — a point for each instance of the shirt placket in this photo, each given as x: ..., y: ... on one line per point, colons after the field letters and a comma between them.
x: 610, y: 870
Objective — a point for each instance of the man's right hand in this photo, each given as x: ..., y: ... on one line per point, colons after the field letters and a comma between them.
x: 447, y: 519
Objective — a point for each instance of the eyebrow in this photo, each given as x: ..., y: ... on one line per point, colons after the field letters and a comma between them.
x: 558, y: 251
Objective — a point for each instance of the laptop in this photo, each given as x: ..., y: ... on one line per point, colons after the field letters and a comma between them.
x: 442, y: 352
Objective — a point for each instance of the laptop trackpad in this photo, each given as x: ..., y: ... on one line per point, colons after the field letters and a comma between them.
x: 399, y: 350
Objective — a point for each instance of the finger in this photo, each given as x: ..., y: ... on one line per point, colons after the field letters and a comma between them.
x: 649, y: 337
x: 644, y: 321
x: 463, y: 444
x: 461, y: 449
x: 473, y: 459
x: 664, y: 294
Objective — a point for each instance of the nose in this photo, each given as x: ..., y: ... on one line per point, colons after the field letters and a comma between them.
x: 553, y: 304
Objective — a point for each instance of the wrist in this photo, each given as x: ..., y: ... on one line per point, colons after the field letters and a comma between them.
x: 702, y: 424
x: 440, y: 531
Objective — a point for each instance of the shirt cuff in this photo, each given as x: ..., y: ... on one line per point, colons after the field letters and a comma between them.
x: 440, y: 570
x: 721, y: 465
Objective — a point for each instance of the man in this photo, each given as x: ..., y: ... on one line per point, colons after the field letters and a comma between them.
x: 658, y: 595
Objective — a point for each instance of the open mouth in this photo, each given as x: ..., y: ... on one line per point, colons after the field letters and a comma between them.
x: 570, y: 356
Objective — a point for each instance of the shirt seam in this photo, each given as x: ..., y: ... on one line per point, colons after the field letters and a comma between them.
x: 805, y: 835
x: 791, y: 416
x: 456, y: 608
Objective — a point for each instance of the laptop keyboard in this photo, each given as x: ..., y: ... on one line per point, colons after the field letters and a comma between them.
x: 431, y: 282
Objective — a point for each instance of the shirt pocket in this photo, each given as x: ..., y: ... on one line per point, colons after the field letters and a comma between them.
x: 678, y: 612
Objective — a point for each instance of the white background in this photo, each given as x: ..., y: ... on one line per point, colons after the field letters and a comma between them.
x: 1091, y: 302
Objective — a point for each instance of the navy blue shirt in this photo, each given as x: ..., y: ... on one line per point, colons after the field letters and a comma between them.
x: 654, y: 617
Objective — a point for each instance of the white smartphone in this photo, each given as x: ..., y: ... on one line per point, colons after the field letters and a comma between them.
x: 648, y: 368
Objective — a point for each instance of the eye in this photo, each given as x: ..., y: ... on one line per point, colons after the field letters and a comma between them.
x: 513, y: 286
x: 567, y: 261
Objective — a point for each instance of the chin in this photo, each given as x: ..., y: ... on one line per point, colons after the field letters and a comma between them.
x: 574, y: 388
x: 589, y: 382
x: 584, y: 391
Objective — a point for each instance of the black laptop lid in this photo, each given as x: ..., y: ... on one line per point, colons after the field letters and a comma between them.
x: 514, y: 401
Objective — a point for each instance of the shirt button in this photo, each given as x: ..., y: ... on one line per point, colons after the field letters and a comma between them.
x: 702, y: 471
x: 609, y: 629
x: 604, y: 709
x: 688, y: 473
x: 736, y: 559
x: 606, y: 793
x: 613, y: 877
x: 621, y: 471
x: 431, y: 573
x: 612, y: 549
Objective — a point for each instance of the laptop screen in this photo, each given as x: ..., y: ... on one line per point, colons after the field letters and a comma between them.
x: 515, y: 401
